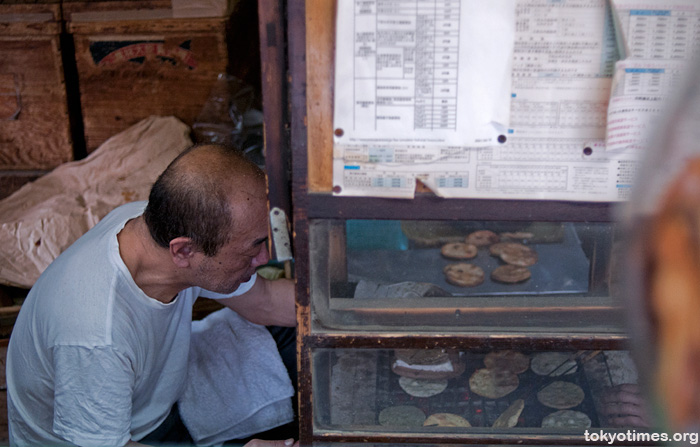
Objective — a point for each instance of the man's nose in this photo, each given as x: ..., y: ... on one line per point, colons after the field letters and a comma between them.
x: 261, y: 258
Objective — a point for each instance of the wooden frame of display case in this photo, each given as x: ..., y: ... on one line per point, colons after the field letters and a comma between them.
x: 310, y: 34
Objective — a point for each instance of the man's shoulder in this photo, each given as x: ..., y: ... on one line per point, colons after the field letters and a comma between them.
x: 125, y: 212
x: 103, y: 233
x: 90, y: 265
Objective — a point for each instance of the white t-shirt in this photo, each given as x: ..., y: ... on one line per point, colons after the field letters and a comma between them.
x: 92, y: 360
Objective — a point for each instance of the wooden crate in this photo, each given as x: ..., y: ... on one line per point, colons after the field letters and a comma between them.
x: 34, y: 123
x: 11, y: 181
x: 133, y: 63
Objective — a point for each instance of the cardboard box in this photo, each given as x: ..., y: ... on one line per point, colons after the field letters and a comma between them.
x: 34, y: 123
x: 133, y: 63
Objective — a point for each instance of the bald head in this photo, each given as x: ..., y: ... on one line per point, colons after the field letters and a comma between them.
x: 217, y: 167
x: 203, y: 194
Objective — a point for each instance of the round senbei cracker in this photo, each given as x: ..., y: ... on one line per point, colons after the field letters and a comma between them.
x: 482, y: 238
x: 463, y: 274
x: 402, y: 415
x: 446, y: 420
x: 513, y: 361
x: 561, y: 395
x: 428, y: 363
x: 498, y: 248
x: 566, y: 419
x: 422, y: 356
x: 520, y: 259
x: 514, y: 253
x: 422, y: 387
x: 493, y: 383
x: 510, y: 274
x: 553, y: 364
x: 459, y: 250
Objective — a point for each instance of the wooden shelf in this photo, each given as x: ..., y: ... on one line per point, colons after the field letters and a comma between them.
x: 431, y: 207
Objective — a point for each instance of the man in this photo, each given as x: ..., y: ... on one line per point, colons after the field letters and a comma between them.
x: 98, y: 355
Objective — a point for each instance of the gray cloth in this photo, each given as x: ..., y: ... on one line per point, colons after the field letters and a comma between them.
x: 237, y: 385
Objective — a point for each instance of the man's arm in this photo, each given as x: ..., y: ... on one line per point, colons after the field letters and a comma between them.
x: 269, y: 303
x: 93, y: 388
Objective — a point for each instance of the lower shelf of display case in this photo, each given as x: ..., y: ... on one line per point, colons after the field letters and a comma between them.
x: 355, y: 390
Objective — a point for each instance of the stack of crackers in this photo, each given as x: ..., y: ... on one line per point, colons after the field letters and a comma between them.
x: 424, y: 373
x: 517, y: 257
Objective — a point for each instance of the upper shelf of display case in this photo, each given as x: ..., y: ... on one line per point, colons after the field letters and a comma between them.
x: 425, y: 276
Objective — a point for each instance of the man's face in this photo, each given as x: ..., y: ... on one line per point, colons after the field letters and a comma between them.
x: 236, y: 261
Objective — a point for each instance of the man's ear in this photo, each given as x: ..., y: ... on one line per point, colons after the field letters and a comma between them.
x: 182, y: 250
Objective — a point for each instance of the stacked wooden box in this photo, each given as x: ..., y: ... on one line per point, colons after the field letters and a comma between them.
x: 74, y: 73
x: 34, y: 125
x: 137, y: 58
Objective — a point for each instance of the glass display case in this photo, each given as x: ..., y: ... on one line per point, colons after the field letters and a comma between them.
x: 462, y: 328
x: 379, y: 286
x: 447, y: 275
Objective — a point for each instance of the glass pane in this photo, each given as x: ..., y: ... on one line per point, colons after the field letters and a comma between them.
x: 428, y: 275
x: 443, y: 391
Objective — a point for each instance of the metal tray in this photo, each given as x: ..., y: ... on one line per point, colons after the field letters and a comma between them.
x: 562, y: 268
x: 479, y: 411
